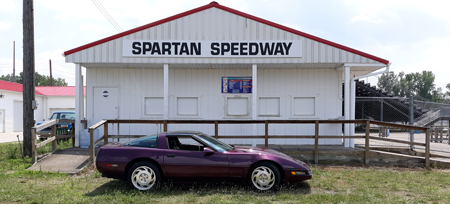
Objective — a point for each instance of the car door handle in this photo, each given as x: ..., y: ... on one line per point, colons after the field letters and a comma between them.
x: 171, y: 155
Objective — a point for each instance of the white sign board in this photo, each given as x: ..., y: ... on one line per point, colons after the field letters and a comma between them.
x: 161, y: 48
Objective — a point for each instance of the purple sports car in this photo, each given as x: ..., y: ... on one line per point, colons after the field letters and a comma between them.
x: 195, y: 156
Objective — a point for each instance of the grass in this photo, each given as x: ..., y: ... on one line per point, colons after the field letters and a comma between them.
x: 330, y: 184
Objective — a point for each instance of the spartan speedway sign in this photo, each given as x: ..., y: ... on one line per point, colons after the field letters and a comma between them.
x: 148, y: 48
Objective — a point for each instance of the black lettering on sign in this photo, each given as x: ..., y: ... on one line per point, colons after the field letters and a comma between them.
x: 225, y: 47
x: 166, y: 48
x: 176, y: 44
x: 196, y: 49
x: 156, y: 49
x: 266, y: 48
x: 279, y: 49
x: 184, y: 49
x: 234, y: 48
x: 147, y: 47
x: 136, y: 48
x: 253, y: 48
x: 215, y: 50
x: 287, y: 47
x: 243, y: 48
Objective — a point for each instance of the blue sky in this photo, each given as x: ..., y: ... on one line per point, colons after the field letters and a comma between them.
x: 413, y: 35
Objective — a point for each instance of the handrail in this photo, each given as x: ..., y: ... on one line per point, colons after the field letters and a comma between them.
x: 266, y: 136
x: 53, y: 137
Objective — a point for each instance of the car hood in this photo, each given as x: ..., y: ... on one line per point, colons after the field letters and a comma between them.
x: 259, y: 150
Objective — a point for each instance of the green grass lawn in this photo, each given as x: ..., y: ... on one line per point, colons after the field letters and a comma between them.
x: 330, y: 184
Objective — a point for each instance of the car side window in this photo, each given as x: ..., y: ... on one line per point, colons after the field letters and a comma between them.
x: 149, y: 142
x: 185, y: 143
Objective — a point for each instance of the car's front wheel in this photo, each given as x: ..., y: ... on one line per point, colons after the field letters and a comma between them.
x: 264, y: 177
x: 144, y: 176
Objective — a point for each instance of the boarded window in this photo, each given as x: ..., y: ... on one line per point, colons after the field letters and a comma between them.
x: 237, y: 106
x: 269, y: 106
x: 154, y: 106
x: 304, y: 106
x: 187, y: 106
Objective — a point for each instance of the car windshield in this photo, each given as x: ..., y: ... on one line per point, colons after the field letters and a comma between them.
x: 215, y: 143
x: 68, y: 116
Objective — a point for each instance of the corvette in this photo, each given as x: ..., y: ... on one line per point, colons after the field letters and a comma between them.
x: 196, y: 157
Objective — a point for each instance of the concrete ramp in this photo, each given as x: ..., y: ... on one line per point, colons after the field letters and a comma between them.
x: 71, y: 160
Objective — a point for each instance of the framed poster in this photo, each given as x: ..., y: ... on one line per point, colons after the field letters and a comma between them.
x: 236, y: 85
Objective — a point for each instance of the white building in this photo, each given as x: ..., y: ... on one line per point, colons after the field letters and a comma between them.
x: 49, y: 99
x: 217, y: 63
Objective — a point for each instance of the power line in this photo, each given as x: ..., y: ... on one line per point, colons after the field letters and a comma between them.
x: 107, y: 15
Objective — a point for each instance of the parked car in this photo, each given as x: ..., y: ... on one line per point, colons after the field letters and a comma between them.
x: 196, y: 157
x: 69, y: 115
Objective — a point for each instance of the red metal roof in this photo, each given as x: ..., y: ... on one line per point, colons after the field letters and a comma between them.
x: 41, y: 90
x: 58, y: 90
x: 245, y: 15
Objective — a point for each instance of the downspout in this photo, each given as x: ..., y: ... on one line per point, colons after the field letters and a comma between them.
x: 353, y: 99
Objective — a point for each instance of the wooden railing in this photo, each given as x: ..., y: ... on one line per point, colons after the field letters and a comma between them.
x: 53, y: 137
x: 266, y: 136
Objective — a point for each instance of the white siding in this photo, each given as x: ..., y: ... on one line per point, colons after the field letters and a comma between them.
x: 7, y: 104
x: 215, y: 24
x: 205, y: 85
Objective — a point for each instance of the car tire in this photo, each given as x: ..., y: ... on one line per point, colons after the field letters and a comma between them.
x: 264, y: 177
x: 144, y: 176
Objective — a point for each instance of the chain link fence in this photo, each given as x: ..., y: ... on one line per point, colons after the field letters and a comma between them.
x: 405, y: 111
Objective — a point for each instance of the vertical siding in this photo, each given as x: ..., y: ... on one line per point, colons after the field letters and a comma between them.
x: 215, y: 24
x: 135, y: 84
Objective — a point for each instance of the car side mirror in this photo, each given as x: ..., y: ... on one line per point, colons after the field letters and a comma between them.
x: 208, y: 151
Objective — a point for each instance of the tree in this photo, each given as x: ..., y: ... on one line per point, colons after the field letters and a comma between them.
x: 388, y: 83
x: 419, y: 83
x: 39, y: 80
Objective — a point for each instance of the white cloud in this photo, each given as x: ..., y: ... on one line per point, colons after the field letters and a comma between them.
x: 7, y: 6
x: 5, y: 25
x: 93, y: 28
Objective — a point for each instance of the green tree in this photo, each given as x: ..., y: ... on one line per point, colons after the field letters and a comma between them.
x: 419, y: 83
x: 39, y: 80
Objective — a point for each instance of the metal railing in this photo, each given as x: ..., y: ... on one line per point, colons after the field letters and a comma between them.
x: 367, y: 137
x: 53, y: 137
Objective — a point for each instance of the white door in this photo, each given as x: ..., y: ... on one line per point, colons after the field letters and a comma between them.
x: 2, y: 120
x: 106, y: 103
x: 18, y: 116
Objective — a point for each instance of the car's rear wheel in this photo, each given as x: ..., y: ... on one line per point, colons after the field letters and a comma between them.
x: 144, y: 176
x: 264, y: 177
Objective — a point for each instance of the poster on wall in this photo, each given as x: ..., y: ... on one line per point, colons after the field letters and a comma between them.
x: 236, y: 85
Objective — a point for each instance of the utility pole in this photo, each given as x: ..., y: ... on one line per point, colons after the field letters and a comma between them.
x: 51, y: 77
x: 28, y: 75
x: 14, y: 62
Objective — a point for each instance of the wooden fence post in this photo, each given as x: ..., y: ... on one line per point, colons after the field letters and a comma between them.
x: 266, y: 134
x: 54, y: 135
x: 105, y: 136
x: 216, y: 129
x: 33, y: 146
x: 427, y: 149
x: 367, y: 153
x: 92, y: 146
x: 165, y: 126
x: 316, y: 143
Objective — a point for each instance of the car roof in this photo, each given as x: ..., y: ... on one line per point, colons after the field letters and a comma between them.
x: 183, y: 132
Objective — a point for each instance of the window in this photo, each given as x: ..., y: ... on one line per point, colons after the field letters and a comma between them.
x: 269, y: 106
x: 187, y: 106
x: 237, y: 106
x: 154, y: 105
x: 304, y: 106
x: 186, y: 143
x: 150, y: 141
